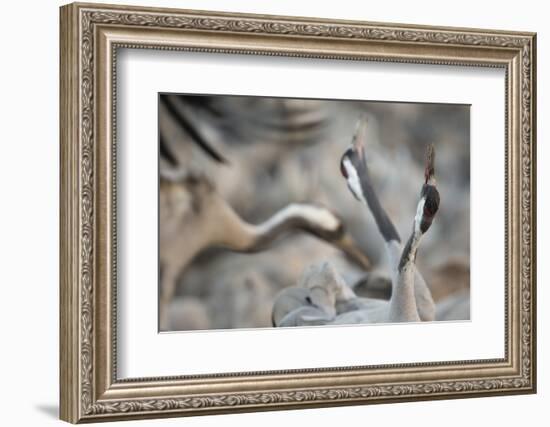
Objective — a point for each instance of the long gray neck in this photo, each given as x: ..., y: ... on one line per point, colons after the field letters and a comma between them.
x: 408, y: 256
x: 383, y: 221
x: 403, y: 307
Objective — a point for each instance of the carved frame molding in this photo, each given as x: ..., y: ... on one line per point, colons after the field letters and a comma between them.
x: 90, y: 37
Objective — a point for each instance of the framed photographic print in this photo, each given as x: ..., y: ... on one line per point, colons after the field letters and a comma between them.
x: 266, y: 212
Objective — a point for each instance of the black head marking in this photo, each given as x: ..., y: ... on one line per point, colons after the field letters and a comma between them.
x: 353, y: 157
x: 343, y: 170
x: 356, y: 160
x: 431, y: 205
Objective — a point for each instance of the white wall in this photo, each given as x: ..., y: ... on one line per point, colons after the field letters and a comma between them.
x: 29, y: 169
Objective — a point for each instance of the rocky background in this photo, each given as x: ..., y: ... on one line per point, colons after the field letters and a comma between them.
x: 277, y: 151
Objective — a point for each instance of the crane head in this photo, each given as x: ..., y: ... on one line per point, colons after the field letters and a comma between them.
x: 429, y: 195
x: 353, y: 162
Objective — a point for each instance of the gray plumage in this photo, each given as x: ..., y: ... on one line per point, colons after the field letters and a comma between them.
x: 411, y: 298
x: 294, y: 307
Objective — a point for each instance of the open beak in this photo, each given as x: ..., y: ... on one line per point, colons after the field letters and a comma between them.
x: 352, y: 250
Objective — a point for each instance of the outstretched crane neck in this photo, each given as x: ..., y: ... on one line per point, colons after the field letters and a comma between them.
x: 354, y: 168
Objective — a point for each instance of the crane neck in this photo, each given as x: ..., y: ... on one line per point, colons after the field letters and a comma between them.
x: 243, y: 236
x: 403, y: 307
x: 309, y: 218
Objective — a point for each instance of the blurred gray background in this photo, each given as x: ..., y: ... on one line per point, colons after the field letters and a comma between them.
x: 277, y: 151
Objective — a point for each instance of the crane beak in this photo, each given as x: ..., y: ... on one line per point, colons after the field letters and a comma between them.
x: 347, y: 245
x: 359, y: 137
x: 429, y: 172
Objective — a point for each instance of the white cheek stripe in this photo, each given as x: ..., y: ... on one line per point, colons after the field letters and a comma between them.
x: 419, y: 214
x: 353, y: 179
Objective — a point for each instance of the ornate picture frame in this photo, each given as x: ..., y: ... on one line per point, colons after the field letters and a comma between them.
x: 91, y: 34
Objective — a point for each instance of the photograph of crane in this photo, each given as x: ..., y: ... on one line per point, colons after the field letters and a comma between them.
x: 279, y: 212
